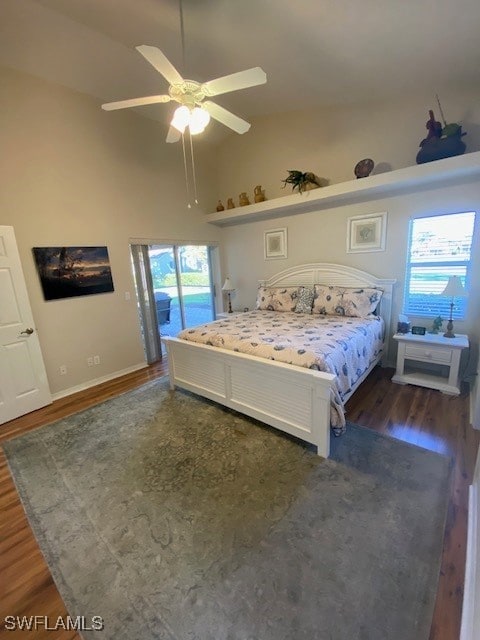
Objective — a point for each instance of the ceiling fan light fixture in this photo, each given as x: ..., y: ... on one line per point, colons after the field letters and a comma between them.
x: 181, y: 118
x: 199, y: 118
x: 196, y: 119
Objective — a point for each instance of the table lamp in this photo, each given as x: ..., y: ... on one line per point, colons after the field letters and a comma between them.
x: 454, y: 289
x: 228, y: 288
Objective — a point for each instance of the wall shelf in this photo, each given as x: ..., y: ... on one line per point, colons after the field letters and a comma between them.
x: 431, y: 174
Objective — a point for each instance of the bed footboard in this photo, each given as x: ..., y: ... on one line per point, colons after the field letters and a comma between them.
x: 292, y: 399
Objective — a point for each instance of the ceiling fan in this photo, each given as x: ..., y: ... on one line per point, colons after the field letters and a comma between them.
x: 194, y: 110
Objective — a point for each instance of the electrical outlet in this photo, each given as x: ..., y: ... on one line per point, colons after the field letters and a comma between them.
x: 90, y: 361
x: 96, y: 359
x: 63, y: 370
x: 127, y: 295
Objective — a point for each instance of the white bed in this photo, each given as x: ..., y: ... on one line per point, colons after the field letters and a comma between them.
x: 291, y: 398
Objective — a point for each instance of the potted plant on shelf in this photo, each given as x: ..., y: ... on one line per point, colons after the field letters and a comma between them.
x: 302, y: 181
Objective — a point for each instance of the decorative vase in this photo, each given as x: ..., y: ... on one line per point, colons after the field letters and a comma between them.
x: 220, y: 206
x: 230, y: 204
x: 259, y: 194
x: 439, y: 148
x: 441, y: 142
x: 243, y: 199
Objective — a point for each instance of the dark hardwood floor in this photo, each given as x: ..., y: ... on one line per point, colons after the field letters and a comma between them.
x: 423, y: 417
x: 440, y: 423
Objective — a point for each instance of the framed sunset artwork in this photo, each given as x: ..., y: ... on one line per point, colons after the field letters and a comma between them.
x: 67, y: 272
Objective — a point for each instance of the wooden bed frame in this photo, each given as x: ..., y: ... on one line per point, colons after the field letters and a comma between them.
x: 293, y: 399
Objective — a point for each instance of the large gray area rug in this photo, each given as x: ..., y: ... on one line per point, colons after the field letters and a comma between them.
x: 174, y: 518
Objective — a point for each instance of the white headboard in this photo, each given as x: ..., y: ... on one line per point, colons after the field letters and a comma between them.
x: 341, y: 276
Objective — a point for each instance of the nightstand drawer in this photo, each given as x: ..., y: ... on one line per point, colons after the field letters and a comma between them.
x: 428, y: 354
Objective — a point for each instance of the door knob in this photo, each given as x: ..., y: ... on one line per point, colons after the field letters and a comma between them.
x: 27, y: 331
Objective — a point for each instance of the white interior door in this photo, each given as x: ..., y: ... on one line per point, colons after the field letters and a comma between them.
x: 23, y: 380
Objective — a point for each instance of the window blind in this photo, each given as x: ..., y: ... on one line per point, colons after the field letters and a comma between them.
x: 439, y: 247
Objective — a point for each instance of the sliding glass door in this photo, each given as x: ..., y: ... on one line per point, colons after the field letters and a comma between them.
x: 181, y: 291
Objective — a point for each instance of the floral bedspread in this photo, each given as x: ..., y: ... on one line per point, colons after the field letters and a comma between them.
x: 335, y: 344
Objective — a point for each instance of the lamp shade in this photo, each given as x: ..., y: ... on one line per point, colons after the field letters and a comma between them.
x: 454, y: 288
x: 227, y: 285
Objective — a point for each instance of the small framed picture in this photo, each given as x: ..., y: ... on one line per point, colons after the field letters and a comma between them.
x: 367, y: 233
x: 275, y: 244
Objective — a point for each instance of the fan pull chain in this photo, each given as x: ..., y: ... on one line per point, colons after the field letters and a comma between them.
x: 193, y: 171
x: 186, y: 171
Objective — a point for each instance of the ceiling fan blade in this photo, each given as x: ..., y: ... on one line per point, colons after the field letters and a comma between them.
x: 235, y: 81
x: 135, y: 102
x: 160, y: 62
x: 173, y: 135
x: 227, y: 118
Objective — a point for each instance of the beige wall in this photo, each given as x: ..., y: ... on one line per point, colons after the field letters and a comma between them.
x: 330, y: 143
x: 72, y: 174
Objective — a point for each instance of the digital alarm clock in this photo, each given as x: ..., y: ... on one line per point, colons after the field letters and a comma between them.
x: 418, y: 331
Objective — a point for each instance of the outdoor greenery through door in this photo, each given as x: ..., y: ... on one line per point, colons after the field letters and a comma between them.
x: 175, y: 290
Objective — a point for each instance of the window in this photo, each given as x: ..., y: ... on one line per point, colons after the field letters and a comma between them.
x: 439, y: 247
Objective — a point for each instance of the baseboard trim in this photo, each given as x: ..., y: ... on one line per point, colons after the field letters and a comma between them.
x: 94, y: 382
x: 471, y: 593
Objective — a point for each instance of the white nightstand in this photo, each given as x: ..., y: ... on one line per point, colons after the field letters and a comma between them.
x: 432, y: 348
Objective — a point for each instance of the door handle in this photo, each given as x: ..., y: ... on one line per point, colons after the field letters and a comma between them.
x: 27, y: 331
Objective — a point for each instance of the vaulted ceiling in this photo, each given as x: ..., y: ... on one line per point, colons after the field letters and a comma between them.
x: 315, y: 52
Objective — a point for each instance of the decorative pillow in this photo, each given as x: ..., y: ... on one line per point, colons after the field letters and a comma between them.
x: 305, y: 300
x: 345, y: 301
x: 277, y: 298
